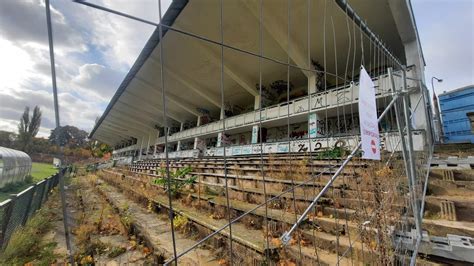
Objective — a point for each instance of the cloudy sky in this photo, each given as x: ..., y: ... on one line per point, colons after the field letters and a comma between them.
x: 94, y: 50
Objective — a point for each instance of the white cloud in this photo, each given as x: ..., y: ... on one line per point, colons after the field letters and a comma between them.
x: 16, y: 64
x: 97, y: 81
x: 118, y: 39
x: 446, y: 31
x: 25, y: 22
x: 93, y: 51
x: 73, y: 110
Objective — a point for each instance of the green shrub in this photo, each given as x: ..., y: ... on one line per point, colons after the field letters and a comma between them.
x: 177, y: 179
x: 334, y: 153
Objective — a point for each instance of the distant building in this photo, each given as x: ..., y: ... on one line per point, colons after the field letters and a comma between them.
x: 471, y: 119
x: 454, y: 108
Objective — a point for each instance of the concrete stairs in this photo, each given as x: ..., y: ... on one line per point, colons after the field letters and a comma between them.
x: 334, y: 232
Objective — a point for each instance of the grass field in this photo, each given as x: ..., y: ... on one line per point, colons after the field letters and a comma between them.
x: 39, y: 171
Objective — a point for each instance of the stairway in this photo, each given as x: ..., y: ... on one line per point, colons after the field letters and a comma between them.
x: 341, y: 229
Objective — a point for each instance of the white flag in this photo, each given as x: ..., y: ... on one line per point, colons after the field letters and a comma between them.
x: 369, y: 129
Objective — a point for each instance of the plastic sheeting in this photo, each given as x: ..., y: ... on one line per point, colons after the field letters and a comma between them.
x: 14, y: 166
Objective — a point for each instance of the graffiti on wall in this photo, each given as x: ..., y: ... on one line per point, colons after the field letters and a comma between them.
x: 319, y: 101
x: 342, y: 96
x: 333, y: 126
x: 200, y: 144
x: 297, y: 131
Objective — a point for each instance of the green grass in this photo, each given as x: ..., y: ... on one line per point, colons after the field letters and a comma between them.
x: 39, y: 171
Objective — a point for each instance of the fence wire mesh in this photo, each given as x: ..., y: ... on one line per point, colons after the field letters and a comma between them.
x: 16, y: 211
x: 312, y: 200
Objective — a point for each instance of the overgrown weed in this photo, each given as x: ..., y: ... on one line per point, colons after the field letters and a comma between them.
x: 26, y: 244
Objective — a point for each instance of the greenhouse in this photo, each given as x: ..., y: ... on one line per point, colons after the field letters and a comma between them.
x: 14, y: 166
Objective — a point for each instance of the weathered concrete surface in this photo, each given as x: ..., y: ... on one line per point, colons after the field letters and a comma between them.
x: 157, y: 231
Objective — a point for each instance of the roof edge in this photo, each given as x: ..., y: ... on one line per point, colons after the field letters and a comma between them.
x: 457, y: 90
x: 412, y: 14
x: 168, y: 19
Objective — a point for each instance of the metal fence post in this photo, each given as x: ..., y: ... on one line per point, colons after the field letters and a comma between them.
x: 44, y: 197
x: 38, y: 196
x: 411, y: 156
x: 28, y: 206
x: 406, y: 148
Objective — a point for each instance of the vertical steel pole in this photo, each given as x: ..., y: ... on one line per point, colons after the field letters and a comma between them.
x: 166, y: 131
x: 407, y: 151
x: 400, y: 125
x: 56, y: 114
x: 429, y: 127
x: 411, y: 156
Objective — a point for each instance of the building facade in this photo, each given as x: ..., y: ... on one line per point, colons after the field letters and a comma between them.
x: 266, y: 76
x: 455, y: 106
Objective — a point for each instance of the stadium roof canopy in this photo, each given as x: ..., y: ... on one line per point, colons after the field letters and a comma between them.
x: 192, y: 66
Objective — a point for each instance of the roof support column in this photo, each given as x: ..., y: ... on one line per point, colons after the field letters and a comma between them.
x: 312, y: 80
x: 255, y: 128
x: 178, y: 148
x: 148, y: 145
x: 167, y: 134
x: 141, y: 147
x: 313, y: 117
x: 154, y: 144
x: 220, y: 135
x: 257, y: 102
x: 197, y: 140
x: 199, y: 144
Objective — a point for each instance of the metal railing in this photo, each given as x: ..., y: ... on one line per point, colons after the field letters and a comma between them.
x: 15, y: 211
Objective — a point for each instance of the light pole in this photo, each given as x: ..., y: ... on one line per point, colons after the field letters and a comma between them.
x: 437, y: 118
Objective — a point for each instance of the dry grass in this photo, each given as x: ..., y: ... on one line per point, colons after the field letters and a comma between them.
x: 218, y: 213
x: 83, y: 234
x: 381, y: 213
x: 26, y: 244
x: 95, y: 218
x: 288, y: 170
x: 252, y: 222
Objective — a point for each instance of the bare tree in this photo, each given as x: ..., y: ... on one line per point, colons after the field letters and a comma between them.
x: 28, y: 127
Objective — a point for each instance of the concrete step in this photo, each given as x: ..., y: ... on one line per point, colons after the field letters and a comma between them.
x: 327, y: 231
x: 242, y: 234
x: 460, y: 207
x: 156, y: 230
x: 250, y: 245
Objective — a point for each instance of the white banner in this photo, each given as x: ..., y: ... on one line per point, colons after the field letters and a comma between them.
x: 369, y: 129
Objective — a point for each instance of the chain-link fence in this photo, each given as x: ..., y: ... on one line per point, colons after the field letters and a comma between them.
x: 16, y: 211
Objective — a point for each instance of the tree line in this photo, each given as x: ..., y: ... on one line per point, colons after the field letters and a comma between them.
x: 73, y: 141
